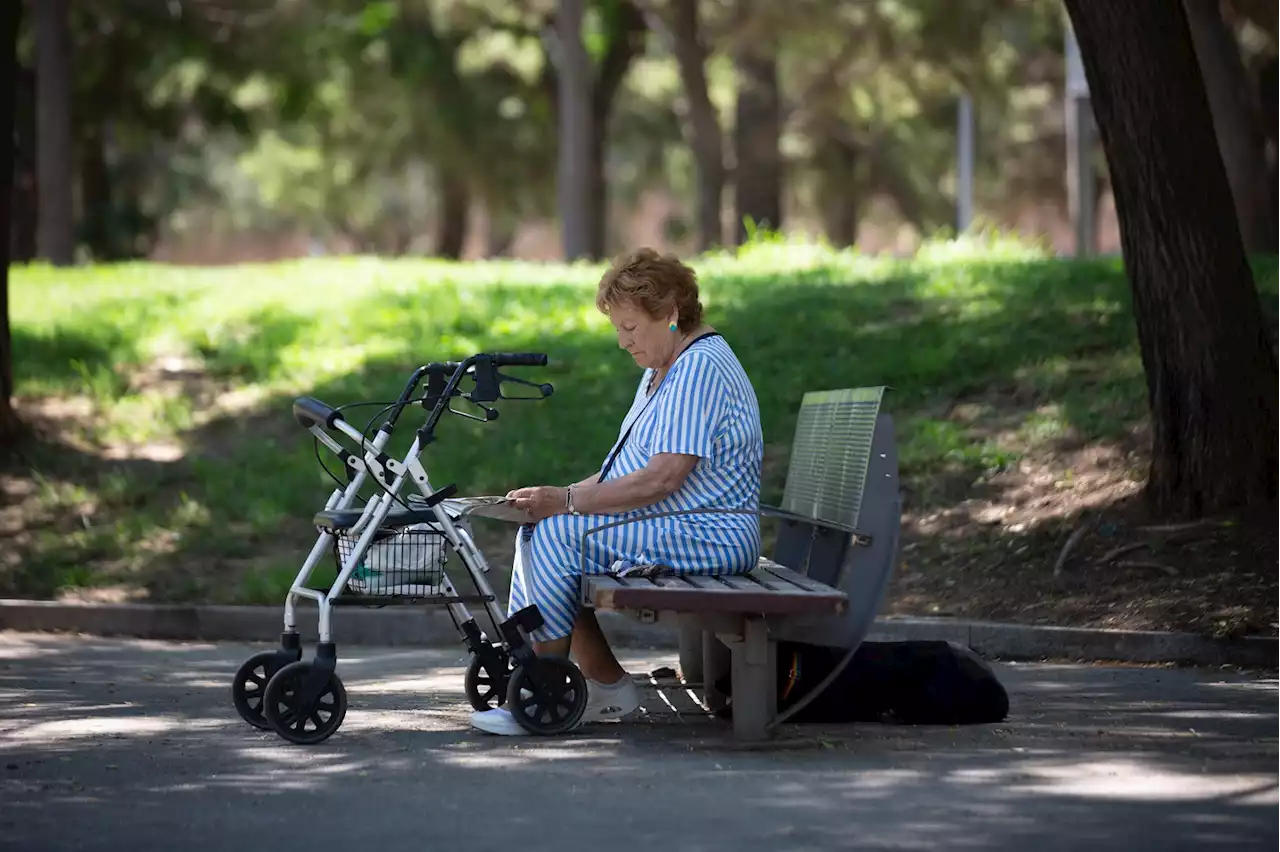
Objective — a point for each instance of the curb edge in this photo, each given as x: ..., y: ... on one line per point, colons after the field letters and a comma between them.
x: 432, y: 627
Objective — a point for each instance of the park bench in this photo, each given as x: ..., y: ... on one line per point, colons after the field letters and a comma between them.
x: 822, y: 583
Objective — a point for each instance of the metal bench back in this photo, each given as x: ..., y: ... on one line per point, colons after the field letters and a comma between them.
x: 827, y: 473
x: 843, y: 471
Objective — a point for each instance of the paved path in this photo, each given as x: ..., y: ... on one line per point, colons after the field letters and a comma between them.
x: 127, y: 745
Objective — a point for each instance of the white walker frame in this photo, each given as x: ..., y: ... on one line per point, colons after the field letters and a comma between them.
x: 304, y: 701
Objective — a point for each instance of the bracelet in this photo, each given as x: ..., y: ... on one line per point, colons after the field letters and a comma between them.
x: 568, y: 501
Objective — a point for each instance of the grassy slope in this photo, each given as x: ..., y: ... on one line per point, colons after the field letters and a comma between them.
x: 182, y: 379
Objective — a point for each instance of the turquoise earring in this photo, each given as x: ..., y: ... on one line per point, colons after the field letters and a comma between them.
x: 673, y: 326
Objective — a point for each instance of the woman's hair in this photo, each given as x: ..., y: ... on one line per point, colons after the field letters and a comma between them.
x: 656, y: 283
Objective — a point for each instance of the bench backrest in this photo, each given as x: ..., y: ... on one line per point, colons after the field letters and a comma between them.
x: 843, y: 471
x: 830, y: 452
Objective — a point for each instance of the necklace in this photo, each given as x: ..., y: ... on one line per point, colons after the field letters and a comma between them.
x: 654, y: 380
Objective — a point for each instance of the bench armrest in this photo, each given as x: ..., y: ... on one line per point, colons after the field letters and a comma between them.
x: 775, y: 512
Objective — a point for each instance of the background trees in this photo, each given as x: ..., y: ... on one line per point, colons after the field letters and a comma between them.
x: 240, y: 129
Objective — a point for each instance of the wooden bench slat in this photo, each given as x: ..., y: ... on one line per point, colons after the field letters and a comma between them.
x: 785, y: 574
x: 730, y: 600
x: 758, y: 581
x: 759, y: 592
x: 739, y: 582
x: 710, y: 584
x: 768, y: 581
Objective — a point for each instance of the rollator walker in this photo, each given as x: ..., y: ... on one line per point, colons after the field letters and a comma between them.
x: 393, y: 550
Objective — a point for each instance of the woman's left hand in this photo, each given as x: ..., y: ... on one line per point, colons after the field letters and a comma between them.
x: 539, y: 501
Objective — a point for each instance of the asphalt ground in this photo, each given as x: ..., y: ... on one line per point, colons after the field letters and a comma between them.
x: 117, y: 744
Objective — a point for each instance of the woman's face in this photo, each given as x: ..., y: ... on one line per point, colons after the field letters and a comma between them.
x: 649, y: 340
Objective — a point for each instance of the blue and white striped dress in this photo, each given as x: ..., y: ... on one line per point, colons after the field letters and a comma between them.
x: 705, y: 407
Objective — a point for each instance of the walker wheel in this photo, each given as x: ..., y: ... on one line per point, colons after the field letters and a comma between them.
x: 486, y: 689
x: 250, y: 685
x: 303, y: 725
x: 547, y: 695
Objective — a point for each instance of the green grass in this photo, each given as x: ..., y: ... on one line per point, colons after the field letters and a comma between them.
x: 1038, y: 350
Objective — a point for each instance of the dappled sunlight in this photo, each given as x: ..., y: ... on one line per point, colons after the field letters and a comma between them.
x: 1130, y: 779
x: 1261, y: 685
x: 425, y: 683
x: 531, y: 756
x: 1017, y: 390
x: 92, y: 727
x: 1214, y: 714
x: 104, y: 724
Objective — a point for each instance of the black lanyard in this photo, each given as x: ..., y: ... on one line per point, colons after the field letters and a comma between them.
x: 608, y: 465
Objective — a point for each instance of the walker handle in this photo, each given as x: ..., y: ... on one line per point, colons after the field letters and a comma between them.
x: 520, y: 359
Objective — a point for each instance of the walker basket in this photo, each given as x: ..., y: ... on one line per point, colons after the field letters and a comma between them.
x: 400, y: 561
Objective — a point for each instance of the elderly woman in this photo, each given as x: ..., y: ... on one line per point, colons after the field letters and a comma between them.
x: 691, y: 441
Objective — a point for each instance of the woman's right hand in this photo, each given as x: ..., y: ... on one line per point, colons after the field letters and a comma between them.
x: 539, y: 501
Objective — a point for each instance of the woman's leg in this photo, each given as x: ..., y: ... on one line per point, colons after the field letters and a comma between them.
x: 547, y: 572
x: 591, y: 648
x: 549, y: 569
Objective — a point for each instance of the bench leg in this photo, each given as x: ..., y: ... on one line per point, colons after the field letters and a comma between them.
x: 755, y: 675
x: 715, y: 664
x: 691, y: 644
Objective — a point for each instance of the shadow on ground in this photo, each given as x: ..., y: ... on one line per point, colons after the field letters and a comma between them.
x: 108, y: 745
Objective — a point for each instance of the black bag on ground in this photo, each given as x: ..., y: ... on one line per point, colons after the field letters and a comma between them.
x: 909, y: 683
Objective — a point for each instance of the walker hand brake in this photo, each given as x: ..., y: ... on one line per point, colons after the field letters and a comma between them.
x: 544, y: 388
x: 489, y: 381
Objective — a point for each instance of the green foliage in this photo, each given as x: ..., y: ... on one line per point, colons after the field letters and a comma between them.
x: 337, y: 118
x: 992, y: 354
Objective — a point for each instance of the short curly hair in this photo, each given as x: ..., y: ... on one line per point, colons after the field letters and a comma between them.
x: 655, y: 283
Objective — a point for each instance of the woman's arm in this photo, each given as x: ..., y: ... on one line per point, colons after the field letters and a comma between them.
x: 657, y: 480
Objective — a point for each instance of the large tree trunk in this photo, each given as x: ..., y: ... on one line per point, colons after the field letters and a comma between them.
x: 758, y: 159
x: 1269, y: 103
x: 10, y: 16
x: 55, y: 231
x: 699, y: 122
x: 22, y: 200
x: 573, y: 106
x: 1211, y: 372
x: 1236, y: 122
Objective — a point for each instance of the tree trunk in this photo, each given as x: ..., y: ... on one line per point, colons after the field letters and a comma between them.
x: 22, y: 200
x: 838, y: 163
x: 10, y: 16
x: 1211, y: 372
x: 55, y: 231
x: 699, y: 122
x: 625, y: 31
x: 1269, y: 103
x: 98, y: 226
x: 501, y: 234
x: 455, y: 214
x: 758, y: 160
x: 1237, y: 125
x: 573, y: 101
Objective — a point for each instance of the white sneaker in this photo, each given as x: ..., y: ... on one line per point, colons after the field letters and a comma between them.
x: 610, y: 700
x: 604, y: 701
x: 498, y: 721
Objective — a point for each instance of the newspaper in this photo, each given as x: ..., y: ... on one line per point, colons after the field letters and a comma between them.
x: 498, y: 508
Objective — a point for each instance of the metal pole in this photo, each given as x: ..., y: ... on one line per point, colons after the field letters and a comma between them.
x: 964, y: 164
x: 1080, y: 177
